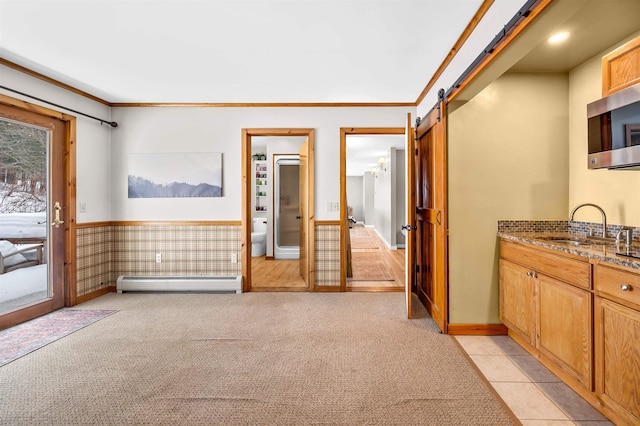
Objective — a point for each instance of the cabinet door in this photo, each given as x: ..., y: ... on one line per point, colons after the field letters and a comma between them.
x: 617, y: 359
x: 517, y: 304
x: 564, y: 327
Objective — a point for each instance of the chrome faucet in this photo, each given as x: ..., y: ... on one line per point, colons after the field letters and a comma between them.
x: 604, y: 216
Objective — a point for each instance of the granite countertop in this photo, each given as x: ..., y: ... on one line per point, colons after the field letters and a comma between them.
x: 598, y: 250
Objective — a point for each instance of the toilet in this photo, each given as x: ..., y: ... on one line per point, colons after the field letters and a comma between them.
x: 259, y: 237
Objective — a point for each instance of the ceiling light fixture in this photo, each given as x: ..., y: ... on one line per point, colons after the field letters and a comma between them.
x: 381, y: 163
x: 558, y: 37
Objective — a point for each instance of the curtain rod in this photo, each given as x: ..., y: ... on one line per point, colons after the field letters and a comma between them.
x: 110, y: 123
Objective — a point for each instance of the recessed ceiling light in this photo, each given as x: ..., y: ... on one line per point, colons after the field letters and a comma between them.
x: 558, y: 37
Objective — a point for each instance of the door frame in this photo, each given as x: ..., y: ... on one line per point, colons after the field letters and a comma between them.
x: 344, y: 228
x: 247, y: 134
x: 69, y: 177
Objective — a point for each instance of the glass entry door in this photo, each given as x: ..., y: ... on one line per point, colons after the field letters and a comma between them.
x: 32, y: 170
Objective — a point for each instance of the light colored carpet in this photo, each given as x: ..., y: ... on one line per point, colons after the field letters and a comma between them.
x: 254, y: 358
x: 370, y: 266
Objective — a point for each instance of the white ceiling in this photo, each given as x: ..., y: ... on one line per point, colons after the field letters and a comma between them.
x: 228, y: 51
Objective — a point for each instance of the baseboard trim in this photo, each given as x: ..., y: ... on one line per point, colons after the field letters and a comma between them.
x: 477, y: 329
x: 94, y: 294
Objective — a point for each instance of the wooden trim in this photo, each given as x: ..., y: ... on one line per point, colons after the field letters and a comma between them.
x: 247, y: 134
x: 173, y: 223
x: 279, y: 289
x: 86, y: 225
x: 70, y: 272
x: 375, y: 289
x: 71, y: 289
x: 94, y: 294
x: 344, y: 228
x: 50, y: 80
x: 327, y: 222
x: 260, y: 104
x: 477, y: 329
x: 471, y: 26
x: 506, y: 41
x: 327, y: 289
x: 7, y: 100
x: 89, y: 225
x: 311, y: 231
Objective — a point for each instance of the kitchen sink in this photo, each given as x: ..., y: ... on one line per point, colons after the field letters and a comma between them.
x: 569, y: 241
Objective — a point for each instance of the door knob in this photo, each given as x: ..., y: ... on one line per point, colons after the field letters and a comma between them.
x: 408, y: 227
x: 298, y: 217
x: 56, y: 221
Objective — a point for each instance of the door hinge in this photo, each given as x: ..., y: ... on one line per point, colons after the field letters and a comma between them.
x: 417, y: 269
x: 416, y: 152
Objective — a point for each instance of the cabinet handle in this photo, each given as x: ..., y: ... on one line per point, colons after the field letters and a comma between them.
x: 528, y: 273
x: 625, y: 287
x: 534, y: 275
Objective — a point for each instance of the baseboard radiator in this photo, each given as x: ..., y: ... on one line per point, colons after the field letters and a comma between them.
x: 186, y: 284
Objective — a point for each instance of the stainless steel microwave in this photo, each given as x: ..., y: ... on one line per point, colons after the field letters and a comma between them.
x: 614, y: 130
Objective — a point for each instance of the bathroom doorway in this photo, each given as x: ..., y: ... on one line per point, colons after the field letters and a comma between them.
x: 278, y: 196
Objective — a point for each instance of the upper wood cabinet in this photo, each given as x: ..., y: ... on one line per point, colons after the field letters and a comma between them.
x: 621, y: 68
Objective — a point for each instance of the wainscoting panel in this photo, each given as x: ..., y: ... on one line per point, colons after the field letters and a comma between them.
x: 327, y: 259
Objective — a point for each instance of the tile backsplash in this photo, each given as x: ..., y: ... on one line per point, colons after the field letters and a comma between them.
x: 561, y: 226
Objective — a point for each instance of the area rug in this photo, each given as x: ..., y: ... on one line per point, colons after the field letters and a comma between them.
x: 370, y: 266
x: 24, y: 338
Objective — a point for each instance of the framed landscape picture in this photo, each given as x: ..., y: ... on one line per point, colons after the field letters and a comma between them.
x: 175, y: 175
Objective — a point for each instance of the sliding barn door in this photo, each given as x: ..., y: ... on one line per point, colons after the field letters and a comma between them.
x: 431, y: 215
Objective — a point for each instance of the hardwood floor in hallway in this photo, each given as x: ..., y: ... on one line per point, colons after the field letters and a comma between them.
x: 365, y: 242
x: 276, y: 275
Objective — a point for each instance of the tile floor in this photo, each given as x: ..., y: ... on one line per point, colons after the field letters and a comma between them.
x: 534, y: 394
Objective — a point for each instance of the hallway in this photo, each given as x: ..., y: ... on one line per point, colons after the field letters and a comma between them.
x: 375, y: 266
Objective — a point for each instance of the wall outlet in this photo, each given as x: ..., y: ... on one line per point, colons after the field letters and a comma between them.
x: 158, y: 258
x: 234, y: 258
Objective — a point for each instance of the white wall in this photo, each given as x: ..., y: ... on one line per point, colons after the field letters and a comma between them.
x: 369, y: 199
x: 197, y: 129
x: 355, y: 196
x: 400, y: 196
x: 93, y: 140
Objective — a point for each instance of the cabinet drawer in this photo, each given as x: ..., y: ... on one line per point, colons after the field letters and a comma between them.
x: 554, y: 265
x: 610, y: 282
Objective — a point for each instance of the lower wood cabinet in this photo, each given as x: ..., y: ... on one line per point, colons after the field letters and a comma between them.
x: 617, y: 343
x: 588, y: 335
x: 551, y: 316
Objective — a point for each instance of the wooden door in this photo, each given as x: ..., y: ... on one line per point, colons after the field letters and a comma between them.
x: 410, y: 219
x: 563, y: 326
x: 304, y: 211
x: 431, y: 215
x: 54, y: 208
x: 517, y: 300
x: 617, y: 352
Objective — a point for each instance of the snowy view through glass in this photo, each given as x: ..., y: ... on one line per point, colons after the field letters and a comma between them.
x: 23, y: 217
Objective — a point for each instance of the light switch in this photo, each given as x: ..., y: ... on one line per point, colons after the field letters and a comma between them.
x: 83, y: 207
